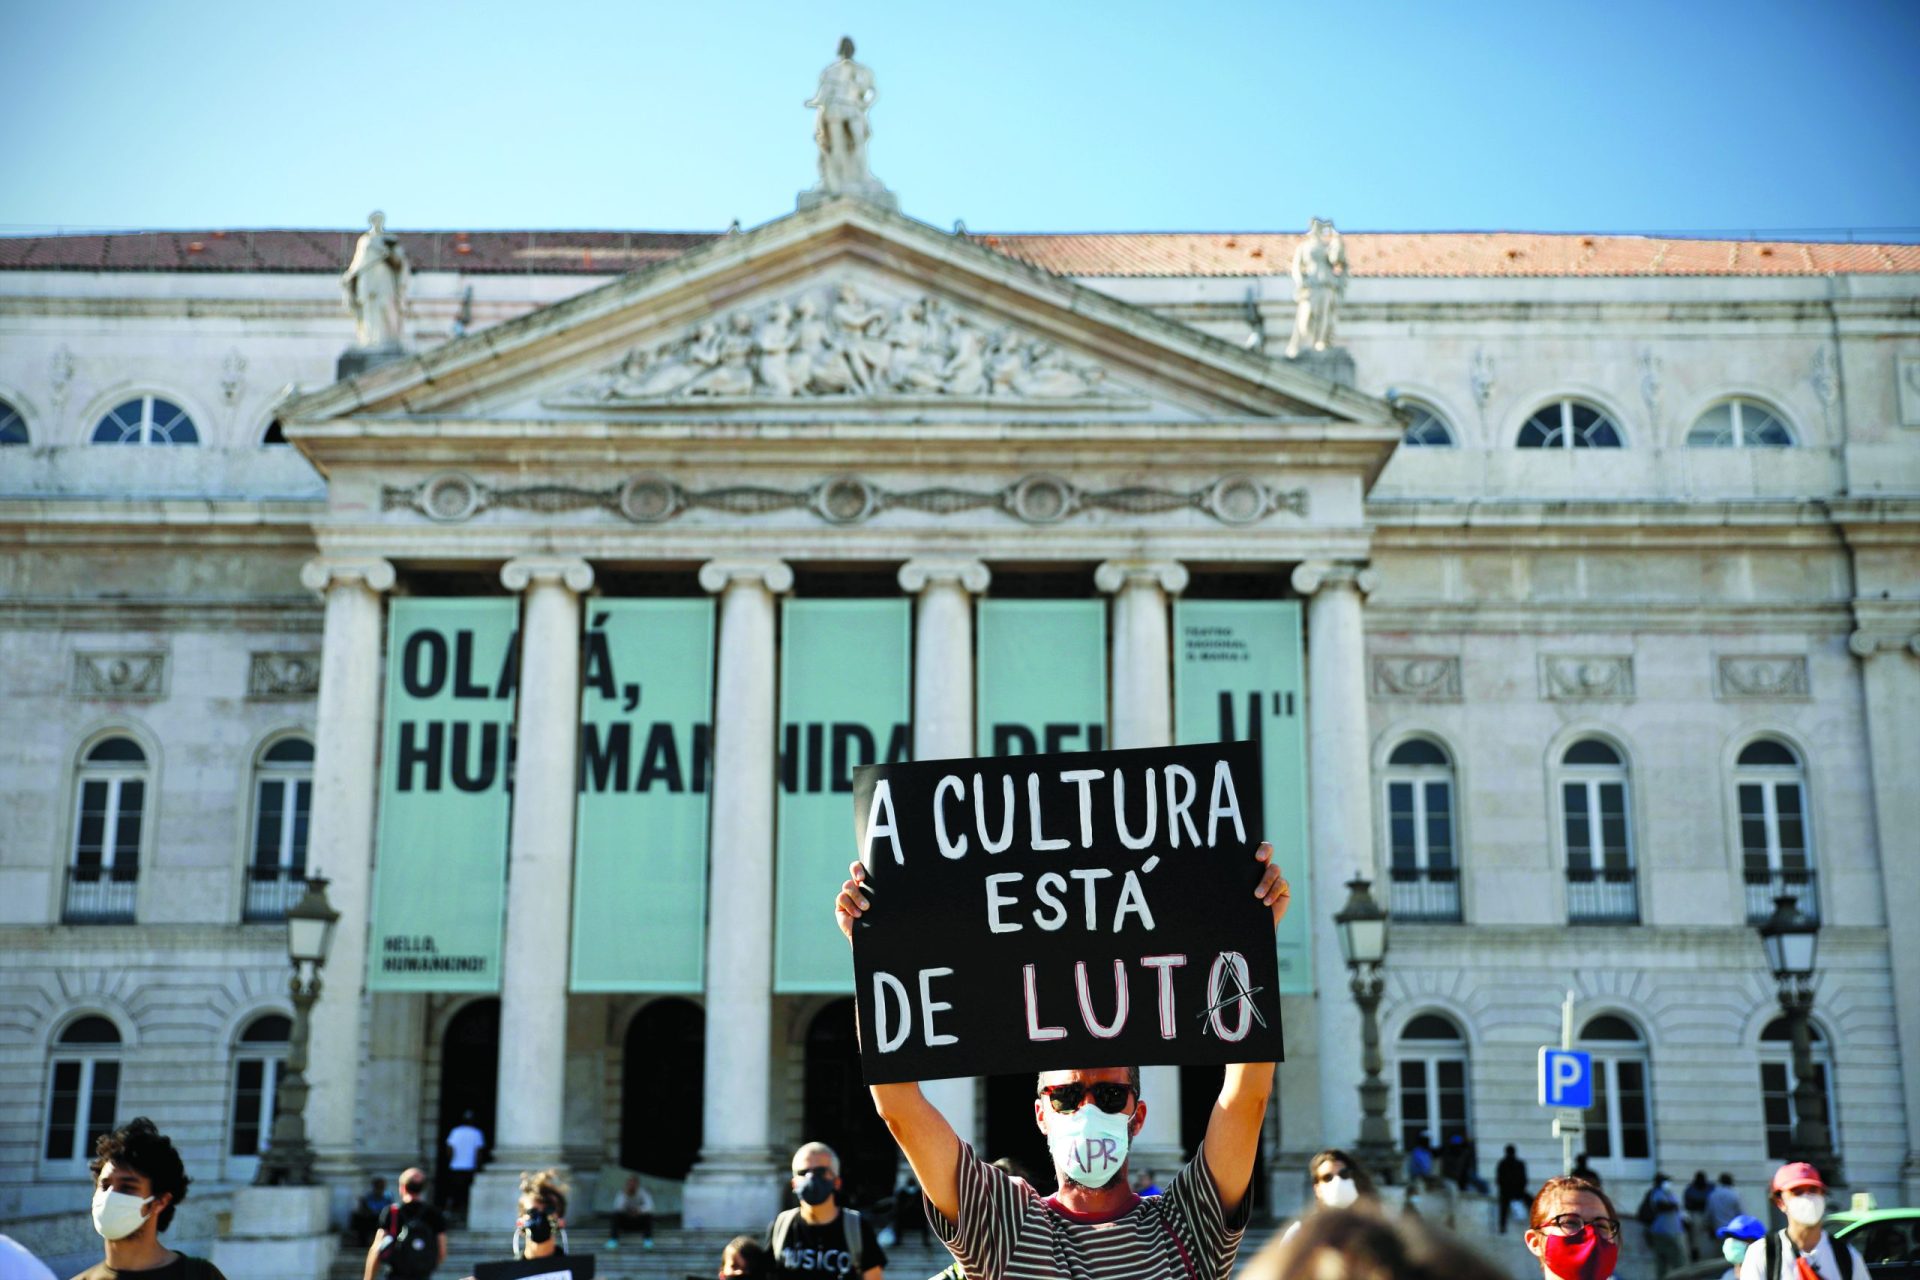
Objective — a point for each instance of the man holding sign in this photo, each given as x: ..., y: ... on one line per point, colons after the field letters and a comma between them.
x: 1021, y: 879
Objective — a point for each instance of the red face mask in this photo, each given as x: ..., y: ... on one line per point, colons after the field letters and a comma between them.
x: 1582, y: 1257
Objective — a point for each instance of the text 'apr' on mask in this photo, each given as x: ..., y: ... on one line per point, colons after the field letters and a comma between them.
x: 1806, y: 1211
x: 1089, y: 1145
x: 1337, y: 1193
x: 815, y: 1187
x: 116, y: 1215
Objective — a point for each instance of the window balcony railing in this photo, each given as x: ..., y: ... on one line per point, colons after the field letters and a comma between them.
x: 1602, y: 896
x: 1425, y: 894
x: 1764, y: 885
x: 271, y: 893
x: 99, y: 895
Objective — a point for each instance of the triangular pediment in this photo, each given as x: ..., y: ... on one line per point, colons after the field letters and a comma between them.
x: 843, y: 310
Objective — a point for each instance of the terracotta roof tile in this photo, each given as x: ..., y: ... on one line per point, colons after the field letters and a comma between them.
x: 1439, y: 254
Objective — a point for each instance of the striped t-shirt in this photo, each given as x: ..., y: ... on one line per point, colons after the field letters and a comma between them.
x: 1007, y: 1232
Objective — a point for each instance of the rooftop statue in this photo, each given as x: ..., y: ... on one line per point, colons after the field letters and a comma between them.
x: 841, y: 130
x: 375, y: 285
x: 1319, y: 278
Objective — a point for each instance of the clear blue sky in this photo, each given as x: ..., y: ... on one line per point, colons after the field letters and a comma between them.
x: 1032, y: 115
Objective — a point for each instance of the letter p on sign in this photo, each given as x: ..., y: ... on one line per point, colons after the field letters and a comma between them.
x: 1566, y: 1078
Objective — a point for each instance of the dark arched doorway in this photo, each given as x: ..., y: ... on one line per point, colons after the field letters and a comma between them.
x: 1199, y: 1090
x: 469, y: 1076
x: 839, y: 1110
x: 661, y: 1088
x: 1011, y: 1131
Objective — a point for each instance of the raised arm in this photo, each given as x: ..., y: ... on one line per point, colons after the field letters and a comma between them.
x: 1233, y: 1130
x: 932, y: 1147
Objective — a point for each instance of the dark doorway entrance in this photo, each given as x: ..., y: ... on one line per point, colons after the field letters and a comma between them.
x: 839, y: 1110
x: 469, y: 1077
x: 1011, y: 1131
x: 661, y: 1088
x: 1199, y: 1090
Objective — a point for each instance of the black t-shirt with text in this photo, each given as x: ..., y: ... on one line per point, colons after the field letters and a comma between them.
x: 822, y: 1250
x: 181, y: 1268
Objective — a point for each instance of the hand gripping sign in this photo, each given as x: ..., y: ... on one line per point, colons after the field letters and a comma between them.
x: 1038, y: 912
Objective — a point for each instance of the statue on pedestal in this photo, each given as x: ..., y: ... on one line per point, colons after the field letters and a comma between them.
x: 841, y: 130
x: 1319, y: 278
x: 375, y: 285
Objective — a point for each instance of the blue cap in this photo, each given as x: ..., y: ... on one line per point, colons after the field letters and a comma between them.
x: 1744, y: 1227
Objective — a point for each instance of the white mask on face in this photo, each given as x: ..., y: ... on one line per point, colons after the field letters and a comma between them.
x: 116, y: 1215
x: 1337, y: 1193
x: 1089, y: 1144
x: 1806, y: 1211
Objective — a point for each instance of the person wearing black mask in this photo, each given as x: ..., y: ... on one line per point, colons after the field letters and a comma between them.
x: 412, y: 1235
x: 819, y: 1238
x: 540, y: 1225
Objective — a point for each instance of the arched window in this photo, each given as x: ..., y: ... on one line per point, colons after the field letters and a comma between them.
x: 259, y: 1060
x: 111, y: 802
x: 1569, y: 424
x: 1776, y: 1085
x: 1425, y: 426
x: 1776, y: 858
x: 146, y: 420
x: 13, y: 427
x: 83, y: 1087
x: 1432, y: 1072
x: 282, y: 800
x: 1740, y: 423
x: 1422, y: 857
x: 1619, y: 1134
x: 1598, y: 834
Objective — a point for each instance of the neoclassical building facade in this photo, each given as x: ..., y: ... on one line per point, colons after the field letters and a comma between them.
x: 1575, y: 595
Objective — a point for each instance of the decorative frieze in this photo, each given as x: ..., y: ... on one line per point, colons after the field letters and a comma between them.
x: 120, y: 676
x: 278, y: 675
x: 1574, y: 677
x: 1737, y: 676
x: 1035, y: 499
x: 1428, y: 677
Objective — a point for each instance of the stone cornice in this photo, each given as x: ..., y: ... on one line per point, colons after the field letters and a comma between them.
x: 775, y: 576
x: 918, y: 574
x: 164, y: 522
x: 298, y: 614
x: 1482, y: 617
x: 571, y: 572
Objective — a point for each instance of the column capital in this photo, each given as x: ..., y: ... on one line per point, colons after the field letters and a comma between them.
x: 322, y: 572
x: 775, y: 575
x: 1866, y: 642
x: 923, y: 571
x: 1309, y: 576
x: 571, y: 572
x: 1114, y: 575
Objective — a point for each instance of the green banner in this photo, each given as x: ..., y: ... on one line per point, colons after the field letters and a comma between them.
x: 1237, y: 674
x: 646, y: 702
x: 1042, y: 683
x: 439, y: 882
x: 845, y: 694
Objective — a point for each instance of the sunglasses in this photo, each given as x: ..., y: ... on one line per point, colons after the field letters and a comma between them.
x: 1108, y: 1096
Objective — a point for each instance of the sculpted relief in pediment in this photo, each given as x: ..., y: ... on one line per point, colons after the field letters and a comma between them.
x: 842, y: 341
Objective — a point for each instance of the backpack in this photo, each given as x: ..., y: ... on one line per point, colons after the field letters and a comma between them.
x: 1645, y: 1214
x: 783, y: 1227
x: 1774, y: 1257
x: 410, y: 1249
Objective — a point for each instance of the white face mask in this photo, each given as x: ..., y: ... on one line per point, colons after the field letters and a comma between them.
x: 116, y: 1215
x: 1806, y: 1211
x: 1337, y: 1193
x: 1089, y: 1144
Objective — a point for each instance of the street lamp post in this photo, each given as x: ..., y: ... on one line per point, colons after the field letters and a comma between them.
x: 1362, y: 929
x: 1790, y: 939
x: 288, y: 1159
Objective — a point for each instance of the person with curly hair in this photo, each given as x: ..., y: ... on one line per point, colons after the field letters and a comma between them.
x: 138, y: 1182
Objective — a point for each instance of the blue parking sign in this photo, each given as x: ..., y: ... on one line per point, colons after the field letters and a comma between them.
x: 1566, y: 1078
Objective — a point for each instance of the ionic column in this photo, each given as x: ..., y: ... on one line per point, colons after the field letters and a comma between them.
x: 735, y: 1185
x: 943, y: 715
x: 1339, y: 815
x: 1143, y: 717
x: 340, y: 843
x: 1888, y: 646
x: 533, y: 968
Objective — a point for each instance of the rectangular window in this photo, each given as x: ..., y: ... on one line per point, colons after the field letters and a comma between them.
x: 1631, y: 1079
x: 1579, y: 827
x: 1599, y: 1117
x: 1450, y: 1079
x: 90, y: 838
x: 63, y: 1110
x: 1792, y: 826
x: 1754, y: 848
x: 1403, y: 825
x: 297, y: 826
x: 126, y: 842
x: 1613, y: 826
x: 1414, y: 1117
x: 249, y: 1085
x: 266, y: 832
x: 1776, y: 1106
x: 1439, y: 797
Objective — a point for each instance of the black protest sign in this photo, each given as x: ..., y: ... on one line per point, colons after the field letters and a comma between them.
x: 1032, y: 913
x: 561, y: 1266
